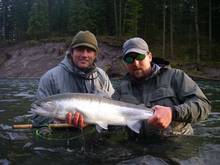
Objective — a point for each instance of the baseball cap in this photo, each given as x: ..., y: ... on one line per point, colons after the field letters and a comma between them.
x: 136, y: 45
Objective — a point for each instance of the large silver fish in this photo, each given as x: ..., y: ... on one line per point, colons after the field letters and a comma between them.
x: 95, y: 109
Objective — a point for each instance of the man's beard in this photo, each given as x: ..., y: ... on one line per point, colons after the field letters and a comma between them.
x: 139, y: 74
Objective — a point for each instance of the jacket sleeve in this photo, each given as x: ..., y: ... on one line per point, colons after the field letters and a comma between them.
x: 46, y: 86
x: 117, y: 94
x: 107, y: 85
x: 45, y: 89
x: 194, y: 104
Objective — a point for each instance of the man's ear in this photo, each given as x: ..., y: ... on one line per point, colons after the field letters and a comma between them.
x: 150, y: 56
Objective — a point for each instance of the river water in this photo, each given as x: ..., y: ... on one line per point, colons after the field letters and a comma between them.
x: 27, y: 146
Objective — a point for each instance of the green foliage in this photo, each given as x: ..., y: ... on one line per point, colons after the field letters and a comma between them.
x: 58, y: 16
x: 120, y: 19
x: 98, y: 16
x: 133, y: 8
x: 20, y: 16
x: 38, y: 25
x: 80, y: 18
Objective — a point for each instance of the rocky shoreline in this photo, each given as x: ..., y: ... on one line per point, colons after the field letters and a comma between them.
x: 32, y: 60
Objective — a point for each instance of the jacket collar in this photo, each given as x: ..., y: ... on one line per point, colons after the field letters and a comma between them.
x: 155, y: 70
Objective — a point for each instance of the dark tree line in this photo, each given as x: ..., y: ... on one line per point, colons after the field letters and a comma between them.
x: 186, y: 26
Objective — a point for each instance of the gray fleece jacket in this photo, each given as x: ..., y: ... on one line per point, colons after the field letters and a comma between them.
x: 66, y: 77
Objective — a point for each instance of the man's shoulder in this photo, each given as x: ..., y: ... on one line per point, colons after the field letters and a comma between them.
x: 171, y: 70
x: 52, y: 72
x: 101, y: 72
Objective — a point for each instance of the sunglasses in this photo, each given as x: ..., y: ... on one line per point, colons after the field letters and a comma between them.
x: 129, y: 58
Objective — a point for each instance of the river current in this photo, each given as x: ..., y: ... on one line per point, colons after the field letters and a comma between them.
x: 27, y: 146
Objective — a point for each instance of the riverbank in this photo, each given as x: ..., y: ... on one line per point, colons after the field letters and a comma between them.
x: 32, y: 59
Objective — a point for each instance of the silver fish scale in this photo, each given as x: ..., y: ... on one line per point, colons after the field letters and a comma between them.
x: 95, y: 109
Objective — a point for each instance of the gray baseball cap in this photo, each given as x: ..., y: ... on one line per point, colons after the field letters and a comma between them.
x: 137, y: 45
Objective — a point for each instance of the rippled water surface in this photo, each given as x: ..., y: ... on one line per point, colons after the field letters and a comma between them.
x: 27, y: 146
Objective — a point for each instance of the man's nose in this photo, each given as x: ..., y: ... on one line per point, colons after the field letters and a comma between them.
x: 136, y: 62
x: 84, y: 52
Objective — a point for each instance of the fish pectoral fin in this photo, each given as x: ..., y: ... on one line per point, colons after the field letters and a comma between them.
x: 98, y: 128
x: 134, y: 125
x: 101, y: 126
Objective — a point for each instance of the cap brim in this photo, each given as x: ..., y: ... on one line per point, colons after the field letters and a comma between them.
x: 86, y: 45
x: 135, y: 50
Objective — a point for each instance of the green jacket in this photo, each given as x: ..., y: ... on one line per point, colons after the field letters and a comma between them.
x: 167, y: 87
x: 66, y: 77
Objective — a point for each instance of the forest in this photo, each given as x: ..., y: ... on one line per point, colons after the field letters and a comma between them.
x: 187, y: 29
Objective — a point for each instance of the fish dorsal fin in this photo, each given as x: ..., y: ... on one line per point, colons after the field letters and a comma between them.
x: 100, y: 126
x: 134, y: 125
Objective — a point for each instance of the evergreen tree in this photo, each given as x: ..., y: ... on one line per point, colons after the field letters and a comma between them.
x: 97, y: 12
x: 79, y: 17
x: 134, y: 8
x: 38, y: 24
x: 7, y: 28
x: 150, y: 20
x: 20, y: 10
x: 58, y: 16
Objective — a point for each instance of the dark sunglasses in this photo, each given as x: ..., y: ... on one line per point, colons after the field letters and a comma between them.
x: 129, y: 58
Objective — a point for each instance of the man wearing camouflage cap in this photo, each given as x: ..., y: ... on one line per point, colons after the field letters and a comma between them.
x: 77, y: 73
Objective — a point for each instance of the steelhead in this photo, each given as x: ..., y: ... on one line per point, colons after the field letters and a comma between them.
x: 95, y: 109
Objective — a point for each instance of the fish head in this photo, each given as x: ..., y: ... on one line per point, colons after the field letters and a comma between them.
x: 45, y: 108
x: 49, y: 106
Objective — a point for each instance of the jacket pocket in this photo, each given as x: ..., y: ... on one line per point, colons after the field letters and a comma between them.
x: 163, y: 96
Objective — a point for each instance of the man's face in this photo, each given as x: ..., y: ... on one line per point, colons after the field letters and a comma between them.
x: 83, y: 57
x: 140, y: 69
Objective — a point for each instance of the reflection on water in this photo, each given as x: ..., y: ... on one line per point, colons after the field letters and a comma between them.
x: 89, y: 147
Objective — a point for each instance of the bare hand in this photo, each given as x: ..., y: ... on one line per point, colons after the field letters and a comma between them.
x: 77, y: 119
x: 162, y: 117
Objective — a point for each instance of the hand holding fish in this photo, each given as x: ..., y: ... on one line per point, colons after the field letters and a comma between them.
x: 162, y: 117
x: 76, y: 119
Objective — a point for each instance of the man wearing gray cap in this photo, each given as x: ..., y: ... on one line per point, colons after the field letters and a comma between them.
x: 175, y: 98
x: 77, y: 73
